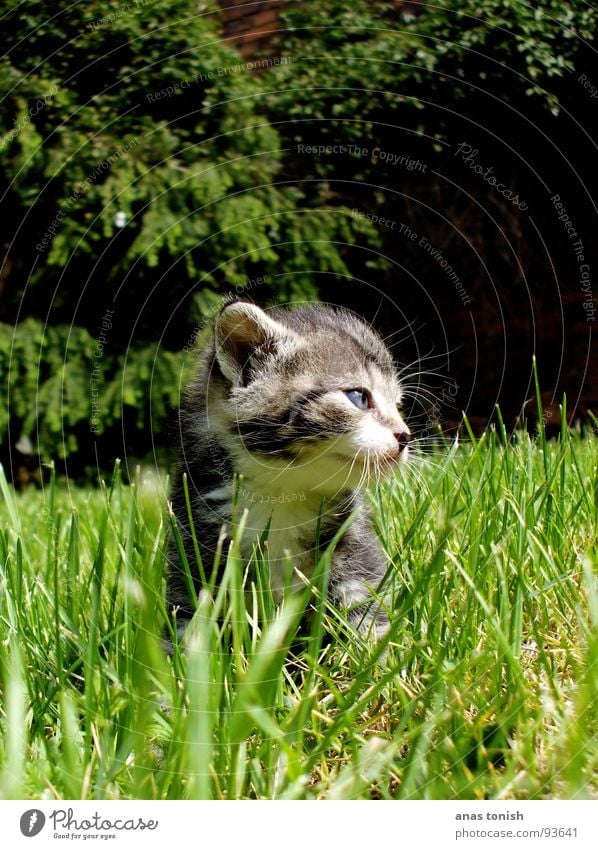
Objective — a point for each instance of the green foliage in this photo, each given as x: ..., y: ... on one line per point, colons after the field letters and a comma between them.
x: 362, y: 77
x: 142, y: 109
x: 484, y: 689
x: 142, y: 114
x: 436, y: 55
x: 149, y: 114
x: 52, y: 374
x: 137, y: 109
x: 394, y: 93
x: 416, y: 83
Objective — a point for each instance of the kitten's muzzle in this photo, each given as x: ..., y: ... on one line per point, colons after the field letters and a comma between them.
x: 403, y: 438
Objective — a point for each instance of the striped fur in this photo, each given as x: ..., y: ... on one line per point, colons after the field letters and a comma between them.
x: 269, y: 403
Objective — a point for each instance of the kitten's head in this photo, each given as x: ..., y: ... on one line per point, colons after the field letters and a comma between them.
x: 312, y: 389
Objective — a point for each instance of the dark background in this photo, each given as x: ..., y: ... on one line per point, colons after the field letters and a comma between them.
x: 196, y: 122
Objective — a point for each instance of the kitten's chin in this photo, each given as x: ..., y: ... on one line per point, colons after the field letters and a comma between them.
x: 391, y: 459
x: 362, y: 467
x: 375, y: 466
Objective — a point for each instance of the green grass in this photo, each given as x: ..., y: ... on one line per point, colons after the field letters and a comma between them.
x: 486, y: 687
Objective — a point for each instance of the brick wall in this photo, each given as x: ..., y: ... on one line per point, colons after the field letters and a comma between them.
x: 249, y: 27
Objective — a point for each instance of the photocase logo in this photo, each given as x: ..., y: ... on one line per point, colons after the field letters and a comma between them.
x: 32, y: 822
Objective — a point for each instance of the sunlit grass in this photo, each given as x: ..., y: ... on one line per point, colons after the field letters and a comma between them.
x: 486, y: 686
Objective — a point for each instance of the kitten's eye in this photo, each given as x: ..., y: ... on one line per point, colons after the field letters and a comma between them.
x: 360, y: 398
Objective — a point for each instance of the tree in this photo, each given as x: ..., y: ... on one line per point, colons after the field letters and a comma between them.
x: 452, y: 126
x: 138, y: 173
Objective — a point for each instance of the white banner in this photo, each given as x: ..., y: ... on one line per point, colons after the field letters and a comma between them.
x: 301, y: 825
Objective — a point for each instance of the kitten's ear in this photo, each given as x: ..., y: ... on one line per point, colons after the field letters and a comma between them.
x: 241, y: 329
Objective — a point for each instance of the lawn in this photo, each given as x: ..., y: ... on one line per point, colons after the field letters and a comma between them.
x: 487, y: 686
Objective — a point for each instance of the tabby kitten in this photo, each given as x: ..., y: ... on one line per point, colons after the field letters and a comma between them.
x: 304, y: 405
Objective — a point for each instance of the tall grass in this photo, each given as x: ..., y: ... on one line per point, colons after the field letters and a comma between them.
x: 486, y: 686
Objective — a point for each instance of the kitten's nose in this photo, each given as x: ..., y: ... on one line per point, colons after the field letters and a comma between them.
x: 403, y: 437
